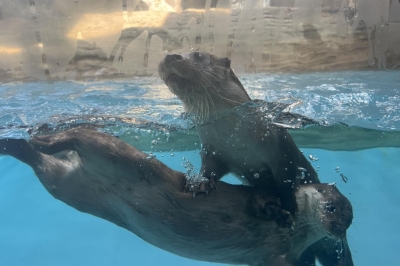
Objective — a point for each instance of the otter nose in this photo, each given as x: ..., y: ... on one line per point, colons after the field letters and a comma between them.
x: 339, y: 230
x: 172, y: 57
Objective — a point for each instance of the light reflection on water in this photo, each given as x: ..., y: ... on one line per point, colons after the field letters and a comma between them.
x: 367, y: 99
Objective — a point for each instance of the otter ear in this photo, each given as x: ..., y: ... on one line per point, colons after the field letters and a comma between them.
x: 224, y: 62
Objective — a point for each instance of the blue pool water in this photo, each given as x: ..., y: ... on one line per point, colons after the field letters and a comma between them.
x: 36, y: 229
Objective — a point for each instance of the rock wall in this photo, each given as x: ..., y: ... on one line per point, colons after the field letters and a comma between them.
x: 56, y: 40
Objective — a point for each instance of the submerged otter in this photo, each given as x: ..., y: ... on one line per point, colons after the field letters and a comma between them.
x: 236, y: 138
x: 99, y: 174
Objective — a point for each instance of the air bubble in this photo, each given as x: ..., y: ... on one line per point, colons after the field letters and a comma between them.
x: 151, y: 156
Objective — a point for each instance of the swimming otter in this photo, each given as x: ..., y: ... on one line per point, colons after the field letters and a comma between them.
x: 99, y: 174
x: 235, y: 137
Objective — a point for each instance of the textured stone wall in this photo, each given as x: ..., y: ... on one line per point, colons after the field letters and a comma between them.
x: 54, y: 39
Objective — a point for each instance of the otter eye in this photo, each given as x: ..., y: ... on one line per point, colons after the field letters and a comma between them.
x: 197, y: 56
x: 330, y: 208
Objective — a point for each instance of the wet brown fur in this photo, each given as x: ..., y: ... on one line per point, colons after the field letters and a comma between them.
x: 99, y: 174
x: 237, y: 139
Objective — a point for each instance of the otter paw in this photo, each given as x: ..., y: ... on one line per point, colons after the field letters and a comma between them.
x: 200, y: 187
x: 282, y: 217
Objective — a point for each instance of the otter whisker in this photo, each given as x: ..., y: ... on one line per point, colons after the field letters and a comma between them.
x: 203, y: 108
x: 208, y: 97
x: 230, y: 100
x: 208, y: 107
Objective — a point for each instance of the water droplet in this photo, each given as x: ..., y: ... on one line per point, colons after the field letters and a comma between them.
x: 302, y: 169
x: 151, y: 156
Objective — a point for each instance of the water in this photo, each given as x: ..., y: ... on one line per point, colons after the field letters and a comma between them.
x: 36, y: 229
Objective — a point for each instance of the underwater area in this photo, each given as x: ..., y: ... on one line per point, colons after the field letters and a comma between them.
x: 358, y: 137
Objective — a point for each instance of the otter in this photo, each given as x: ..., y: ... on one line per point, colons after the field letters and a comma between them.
x: 235, y: 138
x: 99, y: 174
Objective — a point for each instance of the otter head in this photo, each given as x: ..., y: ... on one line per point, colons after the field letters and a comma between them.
x: 335, y: 210
x: 329, y: 212
x: 205, y: 83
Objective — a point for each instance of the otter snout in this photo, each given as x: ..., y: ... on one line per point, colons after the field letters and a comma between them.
x: 339, y: 229
x: 171, y: 65
x: 172, y: 57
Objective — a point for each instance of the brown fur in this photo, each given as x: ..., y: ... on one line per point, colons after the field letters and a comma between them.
x: 238, y: 139
x: 235, y: 137
x: 98, y: 174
